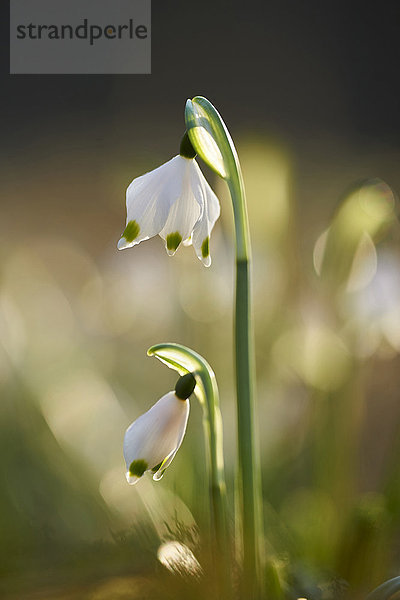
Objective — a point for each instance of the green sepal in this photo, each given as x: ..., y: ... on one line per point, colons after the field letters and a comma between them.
x: 210, y: 137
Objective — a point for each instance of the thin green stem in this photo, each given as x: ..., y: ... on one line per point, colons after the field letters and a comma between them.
x: 212, y: 423
x: 250, y: 493
x: 212, y: 141
x: 185, y: 360
x: 241, y: 219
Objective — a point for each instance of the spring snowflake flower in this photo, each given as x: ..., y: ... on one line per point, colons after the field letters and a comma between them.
x: 152, y: 441
x: 174, y: 201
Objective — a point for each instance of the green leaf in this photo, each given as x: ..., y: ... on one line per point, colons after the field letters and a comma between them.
x: 390, y: 590
x: 210, y: 137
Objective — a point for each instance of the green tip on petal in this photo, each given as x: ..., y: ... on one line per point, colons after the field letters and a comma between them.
x: 155, y: 469
x: 131, y: 231
x: 138, y: 467
x: 158, y: 475
x: 186, y: 150
x: 205, y: 247
x: 173, y: 241
x: 185, y: 386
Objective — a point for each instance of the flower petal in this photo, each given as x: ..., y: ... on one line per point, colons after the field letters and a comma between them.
x: 155, y: 436
x: 202, y: 230
x: 148, y: 201
x: 185, y: 211
x: 158, y: 471
x: 168, y: 460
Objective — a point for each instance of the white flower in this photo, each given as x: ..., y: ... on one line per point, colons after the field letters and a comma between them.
x: 152, y: 441
x: 174, y: 201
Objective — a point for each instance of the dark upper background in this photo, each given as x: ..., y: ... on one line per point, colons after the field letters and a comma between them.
x: 297, y: 69
x: 319, y: 79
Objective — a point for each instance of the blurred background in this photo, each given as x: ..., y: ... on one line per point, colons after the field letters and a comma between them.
x: 310, y: 94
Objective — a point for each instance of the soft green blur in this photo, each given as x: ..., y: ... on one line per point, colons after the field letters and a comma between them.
x: 76, y: 320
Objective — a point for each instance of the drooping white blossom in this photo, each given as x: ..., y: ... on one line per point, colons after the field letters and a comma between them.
x: 152, y: 441
x: 174, y: 201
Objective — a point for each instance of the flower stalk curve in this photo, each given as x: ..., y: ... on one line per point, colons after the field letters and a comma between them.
x: 212, y: 141
x: 184, y: 360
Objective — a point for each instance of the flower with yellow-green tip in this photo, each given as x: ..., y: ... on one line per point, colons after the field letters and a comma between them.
x: 152, y: 441
x: 174, y: 201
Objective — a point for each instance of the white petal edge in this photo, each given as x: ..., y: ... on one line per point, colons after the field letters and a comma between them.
x: 186, y: 210
x: 149, y: 199
x: 204, y: 226
x: 168, y: 460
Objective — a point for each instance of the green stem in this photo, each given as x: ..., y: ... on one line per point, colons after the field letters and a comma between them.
x: 185, y: 360
x: 212, y: 141
x: 212, y: 424
x: 250, y: 494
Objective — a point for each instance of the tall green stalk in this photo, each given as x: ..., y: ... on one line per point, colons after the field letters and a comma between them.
x: 211, y: 140
x: 184, y: 360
